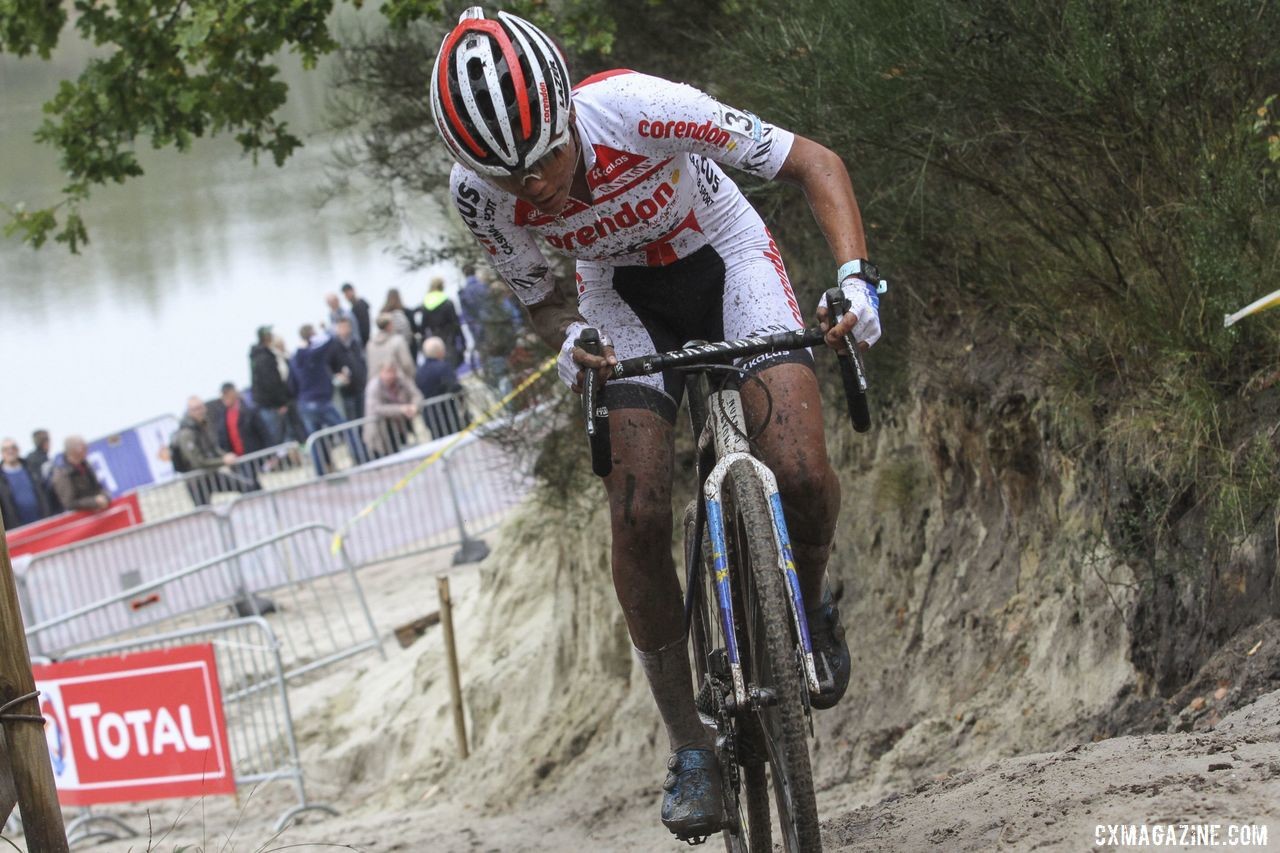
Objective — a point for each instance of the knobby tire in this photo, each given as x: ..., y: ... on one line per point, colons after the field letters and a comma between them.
x: 706, y: 635
x: 773, y: 664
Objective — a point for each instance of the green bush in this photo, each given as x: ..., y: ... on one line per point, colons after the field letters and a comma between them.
x: 1095, y: 179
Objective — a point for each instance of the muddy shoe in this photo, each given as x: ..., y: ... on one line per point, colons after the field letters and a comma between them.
x: 693, y: 806
x: 830, y: 652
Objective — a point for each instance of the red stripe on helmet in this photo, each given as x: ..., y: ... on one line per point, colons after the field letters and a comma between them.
x: 446, y: 55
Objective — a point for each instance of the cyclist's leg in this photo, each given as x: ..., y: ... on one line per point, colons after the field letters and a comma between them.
x: 644, y: 575
x: 641, y: 418
x: 795, y: 449
x: 759, y: 298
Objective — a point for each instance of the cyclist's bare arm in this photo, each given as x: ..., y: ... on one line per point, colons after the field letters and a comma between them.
x: 552, y: 318
x: 822, y: 175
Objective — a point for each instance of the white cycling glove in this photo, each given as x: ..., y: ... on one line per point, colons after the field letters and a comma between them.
x: 864, y: 303
x: 565, y: 365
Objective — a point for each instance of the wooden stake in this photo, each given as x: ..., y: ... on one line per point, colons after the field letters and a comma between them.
x: 8, y: 793
x: 451, y: 653
x: 26, y: 745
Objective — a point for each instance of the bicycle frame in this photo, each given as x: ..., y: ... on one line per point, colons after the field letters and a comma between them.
x: 727, y: 427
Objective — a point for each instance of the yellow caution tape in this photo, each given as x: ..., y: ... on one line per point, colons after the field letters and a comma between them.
x: 336, y: 544
x: 1269, y: 301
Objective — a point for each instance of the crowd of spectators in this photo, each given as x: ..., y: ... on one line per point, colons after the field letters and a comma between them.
x: 38, y: 486
x: 355, y: 364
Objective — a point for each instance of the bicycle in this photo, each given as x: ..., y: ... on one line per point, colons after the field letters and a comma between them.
x: 754, y: 664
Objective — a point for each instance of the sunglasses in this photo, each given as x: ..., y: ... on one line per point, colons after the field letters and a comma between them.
x: 516, y: 180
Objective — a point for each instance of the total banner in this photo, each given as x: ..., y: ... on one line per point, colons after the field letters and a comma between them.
x: 143, y: 726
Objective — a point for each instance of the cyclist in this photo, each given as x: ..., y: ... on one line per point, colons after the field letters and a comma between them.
x: 622, y: 173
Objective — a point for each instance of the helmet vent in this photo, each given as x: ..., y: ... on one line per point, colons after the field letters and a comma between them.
x: 485, y: 103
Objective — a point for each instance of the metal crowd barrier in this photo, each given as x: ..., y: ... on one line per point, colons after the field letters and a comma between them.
x: 474, y: 482
x: 354, y: 443
x: 64, y: 579
x: 265, y: 469
x: 315, y: 603
x: 255, y: 701
x: 462, y: 495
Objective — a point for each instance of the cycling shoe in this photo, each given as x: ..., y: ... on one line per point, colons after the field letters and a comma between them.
x: 693, y: 806
x: 830, y: 652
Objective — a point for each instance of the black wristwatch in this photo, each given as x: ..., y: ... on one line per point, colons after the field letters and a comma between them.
x: 859, y: 268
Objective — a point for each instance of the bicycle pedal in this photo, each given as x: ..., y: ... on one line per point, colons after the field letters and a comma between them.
x: 695, y: 840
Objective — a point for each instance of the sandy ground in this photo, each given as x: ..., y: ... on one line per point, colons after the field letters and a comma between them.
x: 567, y: 754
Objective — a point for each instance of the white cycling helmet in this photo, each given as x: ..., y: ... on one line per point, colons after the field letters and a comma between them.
x: 499, y: 93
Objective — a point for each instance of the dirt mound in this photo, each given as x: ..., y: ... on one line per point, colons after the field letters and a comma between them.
x: 1068, y: 800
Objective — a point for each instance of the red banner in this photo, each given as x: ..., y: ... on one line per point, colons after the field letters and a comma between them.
x: 73, y: 526
x: 144, y: 726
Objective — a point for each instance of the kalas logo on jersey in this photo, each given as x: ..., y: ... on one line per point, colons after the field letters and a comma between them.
x: 705, y: 132
x: 626, y: 217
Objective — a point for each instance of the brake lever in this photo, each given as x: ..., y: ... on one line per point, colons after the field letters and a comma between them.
x: 852, y: 372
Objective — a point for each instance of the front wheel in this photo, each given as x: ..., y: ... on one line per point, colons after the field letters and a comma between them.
x: 774, y: 665
x: 748, y: 799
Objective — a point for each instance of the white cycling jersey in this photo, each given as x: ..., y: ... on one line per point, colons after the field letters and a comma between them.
x: 669, y: 250
x: 651, y: 149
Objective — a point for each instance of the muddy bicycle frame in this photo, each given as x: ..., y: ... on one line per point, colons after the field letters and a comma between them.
x: 725, y: 426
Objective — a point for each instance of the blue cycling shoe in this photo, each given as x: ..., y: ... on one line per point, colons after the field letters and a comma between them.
x: 830, y: 652
x: 693, y: 806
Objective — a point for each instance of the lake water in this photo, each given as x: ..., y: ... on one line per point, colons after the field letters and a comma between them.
x: 184, y: 264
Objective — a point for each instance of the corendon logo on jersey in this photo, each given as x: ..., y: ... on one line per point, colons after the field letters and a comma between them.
x: 705, y: 132
x: 626, y: 217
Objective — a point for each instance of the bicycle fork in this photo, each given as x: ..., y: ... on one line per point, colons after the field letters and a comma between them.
x: 731, y: 448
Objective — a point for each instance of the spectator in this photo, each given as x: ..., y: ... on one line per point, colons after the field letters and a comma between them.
x: 337, y: 313
x: 471, y: 299
x: 311, y: 373
x: 240, y: 428
x: 360, y: 310
x: 436, y: 377
x: 197, y: 446
x: 294, y: 429
x: 269, y: 372
x: 353, y: 369
x: 499, y: 337
x: 395, y: 400
x: 40, y: 465
x: 388, y: 347
x: 23, y: 498
x: 73, y: 481
x: 38, y: 461
x: 401, y: 322
x: 438, y: 318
